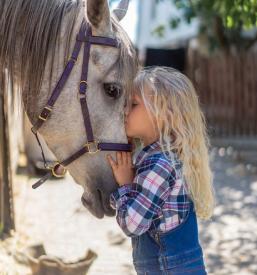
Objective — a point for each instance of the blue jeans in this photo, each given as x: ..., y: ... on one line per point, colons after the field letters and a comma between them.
x: 176, y: 252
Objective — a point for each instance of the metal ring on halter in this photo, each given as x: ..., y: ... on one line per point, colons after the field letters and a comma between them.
x: 95, y: 148
x: 53, y: 169
x: 48, y: 108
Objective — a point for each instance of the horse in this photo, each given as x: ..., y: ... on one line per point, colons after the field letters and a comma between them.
x: 36, y: 42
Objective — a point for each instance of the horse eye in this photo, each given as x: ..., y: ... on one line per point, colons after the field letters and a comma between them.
x: 113, y: 90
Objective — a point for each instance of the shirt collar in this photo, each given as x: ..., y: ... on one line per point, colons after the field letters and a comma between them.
x: 147, y: 150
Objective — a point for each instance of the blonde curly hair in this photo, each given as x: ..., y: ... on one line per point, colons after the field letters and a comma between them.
x: 182, y: 128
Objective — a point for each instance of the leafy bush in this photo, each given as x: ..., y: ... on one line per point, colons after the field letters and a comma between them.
x: 225, y: 22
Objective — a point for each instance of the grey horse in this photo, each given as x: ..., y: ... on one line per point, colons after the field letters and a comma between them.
x: 36, y: 40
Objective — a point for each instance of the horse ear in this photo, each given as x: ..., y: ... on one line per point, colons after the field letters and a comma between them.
x: 98, y: 14
x: 121, y: 10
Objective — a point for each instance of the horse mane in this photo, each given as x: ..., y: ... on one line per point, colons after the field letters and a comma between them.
x: 30, y: 31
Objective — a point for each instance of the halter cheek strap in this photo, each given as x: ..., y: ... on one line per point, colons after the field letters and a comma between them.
x: 92, y: 146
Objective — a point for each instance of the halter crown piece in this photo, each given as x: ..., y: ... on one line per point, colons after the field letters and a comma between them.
x: 92, y: 146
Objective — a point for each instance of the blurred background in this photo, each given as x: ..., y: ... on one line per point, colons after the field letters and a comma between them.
x: 214, y: 42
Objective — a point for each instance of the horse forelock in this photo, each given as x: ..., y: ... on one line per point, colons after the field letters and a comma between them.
x: 30, y: 31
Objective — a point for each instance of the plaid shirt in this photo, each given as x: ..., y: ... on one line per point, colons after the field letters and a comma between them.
x: 157, y: 198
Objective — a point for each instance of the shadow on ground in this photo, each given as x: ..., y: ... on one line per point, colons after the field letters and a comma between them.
x: 230, y: 239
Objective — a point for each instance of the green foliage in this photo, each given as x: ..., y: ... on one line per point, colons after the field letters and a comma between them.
x: 174, y: 22
x: 234, y: 13
x: 159, y: 31
x: 222, y: 21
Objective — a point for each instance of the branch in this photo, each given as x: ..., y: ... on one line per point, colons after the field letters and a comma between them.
x: 219, y: 32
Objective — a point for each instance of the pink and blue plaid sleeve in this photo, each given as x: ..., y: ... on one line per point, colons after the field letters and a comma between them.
x: 138, y: 202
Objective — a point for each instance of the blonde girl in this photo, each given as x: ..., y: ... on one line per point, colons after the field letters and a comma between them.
x: 169, y: 184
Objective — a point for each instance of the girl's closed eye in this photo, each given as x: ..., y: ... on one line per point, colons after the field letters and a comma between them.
x: 133, y: 104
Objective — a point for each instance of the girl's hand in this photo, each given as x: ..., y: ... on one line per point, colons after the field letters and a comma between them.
x: 122, y: 169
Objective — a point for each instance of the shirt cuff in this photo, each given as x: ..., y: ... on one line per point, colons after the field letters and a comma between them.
x: 121, y: 192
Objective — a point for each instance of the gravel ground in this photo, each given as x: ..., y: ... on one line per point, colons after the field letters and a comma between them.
x: 54, y: 216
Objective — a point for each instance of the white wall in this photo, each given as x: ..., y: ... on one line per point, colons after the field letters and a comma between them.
x: 151, y: 15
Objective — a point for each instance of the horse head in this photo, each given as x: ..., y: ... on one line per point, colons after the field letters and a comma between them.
x: 43, y: 46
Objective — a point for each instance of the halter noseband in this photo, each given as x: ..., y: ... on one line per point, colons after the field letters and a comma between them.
x: 92, y: 146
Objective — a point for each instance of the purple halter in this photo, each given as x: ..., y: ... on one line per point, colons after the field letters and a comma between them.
x: 92, y: 146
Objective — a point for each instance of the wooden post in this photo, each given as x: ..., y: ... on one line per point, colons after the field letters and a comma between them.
x: 6, y: 196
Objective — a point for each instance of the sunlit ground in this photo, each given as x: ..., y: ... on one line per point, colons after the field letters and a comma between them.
x: 230, y: 240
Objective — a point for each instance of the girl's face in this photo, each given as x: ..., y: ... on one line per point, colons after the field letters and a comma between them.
x: 138, y: 122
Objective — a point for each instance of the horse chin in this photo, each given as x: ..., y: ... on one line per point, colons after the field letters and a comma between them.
x: 98, y: 205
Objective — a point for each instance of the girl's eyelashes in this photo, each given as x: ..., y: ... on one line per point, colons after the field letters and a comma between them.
x: 133, y: 105
x: 130, y: 104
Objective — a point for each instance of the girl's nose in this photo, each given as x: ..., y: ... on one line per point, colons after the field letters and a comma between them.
x: 126, y: 112
x: 126, y: 109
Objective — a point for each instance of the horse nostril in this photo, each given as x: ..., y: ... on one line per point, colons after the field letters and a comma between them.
x: 100, y: 196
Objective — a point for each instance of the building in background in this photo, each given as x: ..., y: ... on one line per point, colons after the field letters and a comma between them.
x: 151, y: 15
x: 143, y: 17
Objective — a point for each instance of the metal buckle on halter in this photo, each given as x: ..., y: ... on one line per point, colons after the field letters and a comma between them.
x: 54, y: 170
x: 45, y: 113
x: 81, y: 93
x: 73, y: 59
x: 95, y: 148
x: 70, y: 59
x: 81, y: 83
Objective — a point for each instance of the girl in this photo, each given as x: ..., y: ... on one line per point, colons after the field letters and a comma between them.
x: 171, y: 181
